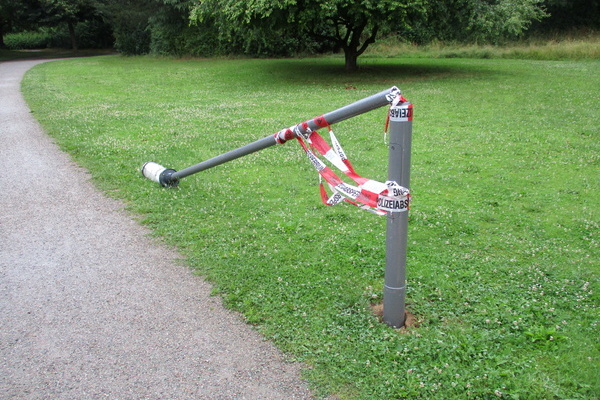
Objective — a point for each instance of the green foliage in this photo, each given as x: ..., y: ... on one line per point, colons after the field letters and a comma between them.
x: 94, y: 33
x: 166, y: 29
x: 503, y: 244
x: 68, y: 13
x: 27, y: 40
x: 53, y: 23
x: 91, y: 34
x: 474, y: 20
x: 17, y: 16
x: 256, y: 29
x: 339, y: 24
x: 284, y: 27
x: 503, y: 19
x: 354, y: 25
x: 66, y: 10
x: 129, y: 20
x: 159, y: 27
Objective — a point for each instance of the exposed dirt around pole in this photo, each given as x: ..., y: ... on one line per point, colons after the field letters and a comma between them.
x: 91, y: 307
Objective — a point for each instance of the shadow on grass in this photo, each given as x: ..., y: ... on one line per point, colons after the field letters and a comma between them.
x: 45, y: 54
x: 372, y: 71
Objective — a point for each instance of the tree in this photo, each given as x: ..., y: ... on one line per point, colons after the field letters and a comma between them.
x: 494, y: 20
x: 350, y: 25
x: 8, y: 12
x: 129, y: 21
x: 149, y: 26
x: 69, y: 12
x: 485, y: 21
x: 17, y: 15
x: 168, y: 27
x: 353, y: 25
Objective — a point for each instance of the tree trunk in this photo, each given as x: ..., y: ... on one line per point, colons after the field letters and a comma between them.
x: 352, y: 47
x: 74, y: 45
x: 351, y: 56
x: 2, y: 44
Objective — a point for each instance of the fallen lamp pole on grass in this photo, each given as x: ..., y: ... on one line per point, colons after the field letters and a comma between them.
x: 400, y: 138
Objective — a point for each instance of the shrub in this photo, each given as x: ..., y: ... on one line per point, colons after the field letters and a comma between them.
x: 131, y: 30
x: 94, y: 34
x: 91, y: 34
x: 132, y: 39
x: 27, y: 40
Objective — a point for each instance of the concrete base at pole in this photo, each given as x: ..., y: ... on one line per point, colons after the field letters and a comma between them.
x: 394, y: 313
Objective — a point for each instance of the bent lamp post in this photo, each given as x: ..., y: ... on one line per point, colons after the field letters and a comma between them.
x: 400, y: 128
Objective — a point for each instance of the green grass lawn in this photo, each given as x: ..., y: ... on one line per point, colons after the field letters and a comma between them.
x: 503, y: 234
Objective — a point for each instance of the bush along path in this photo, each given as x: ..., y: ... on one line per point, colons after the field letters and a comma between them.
x: 91, y: 307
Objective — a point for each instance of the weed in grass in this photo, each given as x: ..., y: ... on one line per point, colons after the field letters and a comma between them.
x: 503, y: 246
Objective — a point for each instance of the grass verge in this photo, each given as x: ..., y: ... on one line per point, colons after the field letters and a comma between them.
x: 564, y: 46
x: 503, y: 245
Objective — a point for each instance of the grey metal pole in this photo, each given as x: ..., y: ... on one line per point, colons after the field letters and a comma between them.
x: 169, y: 177
x: 223, y: 158
x: 394, y: 291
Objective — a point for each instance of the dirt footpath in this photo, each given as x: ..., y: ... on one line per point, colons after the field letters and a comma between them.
x: 91, y: 307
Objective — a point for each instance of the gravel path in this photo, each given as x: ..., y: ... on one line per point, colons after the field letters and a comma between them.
x: 91, y: 307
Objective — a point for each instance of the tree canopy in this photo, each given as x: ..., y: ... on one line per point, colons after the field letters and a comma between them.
x: 342, y: 24
x: 35, y: 15
x: 17, y: 15
x: 352, y: 25
x: 69, y: 12
x: 484, y: 21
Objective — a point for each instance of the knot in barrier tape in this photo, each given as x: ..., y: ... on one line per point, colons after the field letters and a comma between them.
x: 284, y: 135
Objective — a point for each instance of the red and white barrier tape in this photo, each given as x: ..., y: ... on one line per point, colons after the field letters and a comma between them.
x: 369, y: 195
